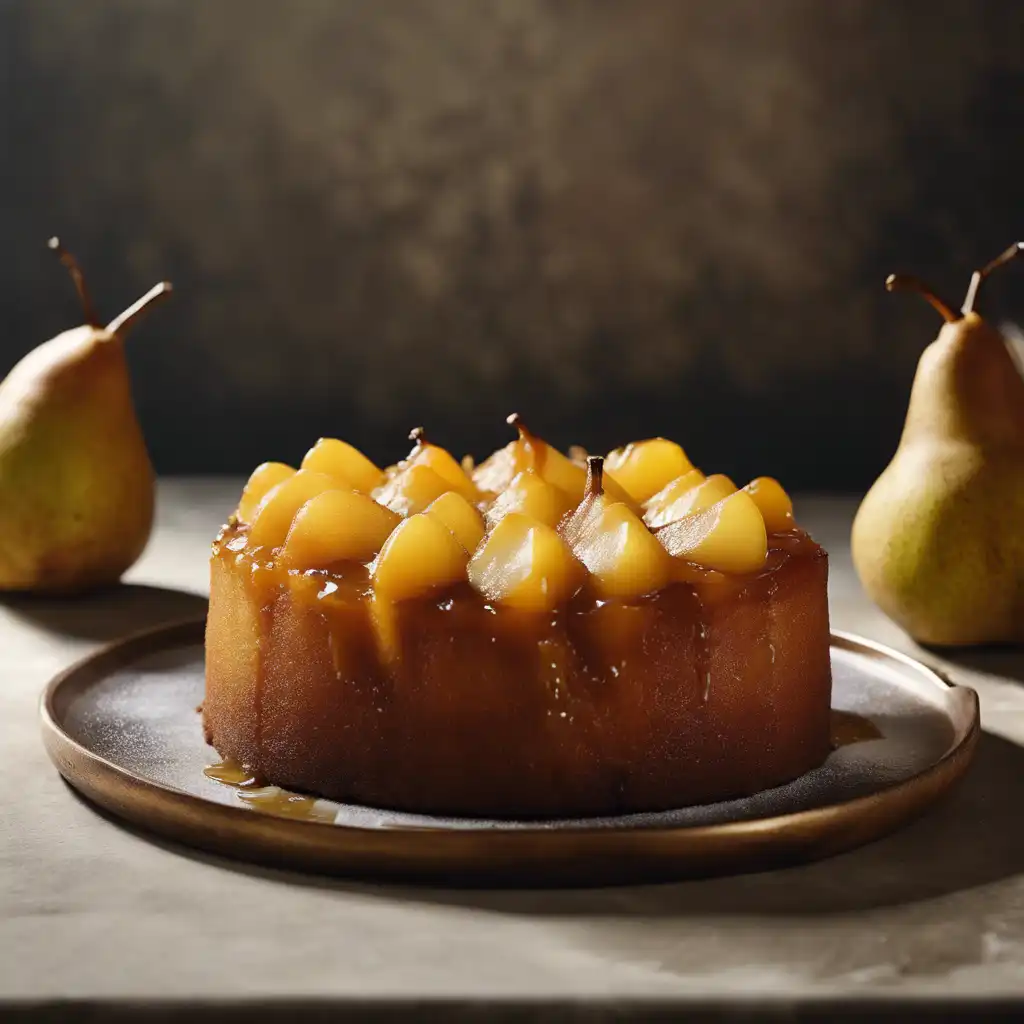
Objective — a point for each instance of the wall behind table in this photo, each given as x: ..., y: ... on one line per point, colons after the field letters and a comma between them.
x: 620, y: 219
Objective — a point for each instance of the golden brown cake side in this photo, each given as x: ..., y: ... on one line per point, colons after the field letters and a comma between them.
x: 702, y: 691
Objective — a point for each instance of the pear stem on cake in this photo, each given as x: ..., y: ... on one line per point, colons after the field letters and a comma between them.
x: 515, y: 420
x: 527, y: 440
x: 595, y: 476
x: 78, y: 279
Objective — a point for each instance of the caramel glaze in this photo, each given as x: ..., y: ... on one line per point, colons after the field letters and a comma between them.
x: 715, y: 687
x: 230, y: 773
x: 256, y: 794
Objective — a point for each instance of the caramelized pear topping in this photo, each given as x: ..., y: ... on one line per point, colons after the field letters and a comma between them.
x: 624, y: 558
x: 531, y: 453
x: 590, y: 508
x: 275, y: 512
x: 495, y: 473
x: 439, y: 460
x: 525, y: 564
x: 528, y: 530
x: 349, y: 466
x: 263, y: 479
x: 420, y: 556
x: 729, y: 536
x: 337, y: 526
x: 533, y: 496
x: 411, y: 490
x: 644, y: 467
x: 661, y: 508
x: 775, y: 504
x: 460, y: 517
x: 695, y: 499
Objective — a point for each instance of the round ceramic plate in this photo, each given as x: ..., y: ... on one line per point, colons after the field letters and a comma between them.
x: 122, y: 727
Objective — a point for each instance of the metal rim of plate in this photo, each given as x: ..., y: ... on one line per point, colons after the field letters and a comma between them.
x: 524, y: 856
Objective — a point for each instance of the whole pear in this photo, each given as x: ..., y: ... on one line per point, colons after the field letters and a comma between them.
x: 76, y: 482
x: 938, y: 542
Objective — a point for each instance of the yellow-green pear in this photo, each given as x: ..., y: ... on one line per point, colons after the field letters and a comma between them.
x: 938, y: 541
x: 76, y: 483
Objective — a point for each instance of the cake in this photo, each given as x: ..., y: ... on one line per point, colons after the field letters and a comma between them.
x: 538, y: 636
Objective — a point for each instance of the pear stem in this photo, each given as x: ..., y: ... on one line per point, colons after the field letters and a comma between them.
x: 75, y: 271
x: 126, y: 320
x: 906, y: 283
x: 533, y: 452
x: 979, y: 276
x: 595, y: 476
x: 515, y: 420
x: 418, y: 436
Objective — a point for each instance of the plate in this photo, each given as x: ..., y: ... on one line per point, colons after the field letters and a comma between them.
x: 122, y: 727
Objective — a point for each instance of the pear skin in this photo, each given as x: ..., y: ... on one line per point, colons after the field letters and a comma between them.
x: 937, y: 541
x: 935, y: 555
x: 75, y: 475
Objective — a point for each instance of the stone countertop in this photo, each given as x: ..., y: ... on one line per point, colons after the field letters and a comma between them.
x: 98, y: 914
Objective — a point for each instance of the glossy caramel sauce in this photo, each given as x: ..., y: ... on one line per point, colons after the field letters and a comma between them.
x: 848, y: 728
x: 255, y: 793
x: 351, y: 581
x: 233, y: 774
x: 282, y: 804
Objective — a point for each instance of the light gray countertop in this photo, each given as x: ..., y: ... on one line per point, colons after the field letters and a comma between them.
x: 94, y: 912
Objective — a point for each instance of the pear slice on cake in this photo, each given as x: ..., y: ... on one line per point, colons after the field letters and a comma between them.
x: 729, y: 536
x: 644, y: 467
x: 525, y: 564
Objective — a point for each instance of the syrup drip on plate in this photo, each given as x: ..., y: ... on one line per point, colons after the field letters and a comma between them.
x: 282, y: 804
x: 255, y: 793
x: 233, y: 774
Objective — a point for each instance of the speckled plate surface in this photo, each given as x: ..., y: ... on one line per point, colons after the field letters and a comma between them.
x: 121, y: 726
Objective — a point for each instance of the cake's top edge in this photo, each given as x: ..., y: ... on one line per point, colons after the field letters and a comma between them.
x: 528, y: 527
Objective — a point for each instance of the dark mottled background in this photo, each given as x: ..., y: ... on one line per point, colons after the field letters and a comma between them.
x: 620, y: 218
